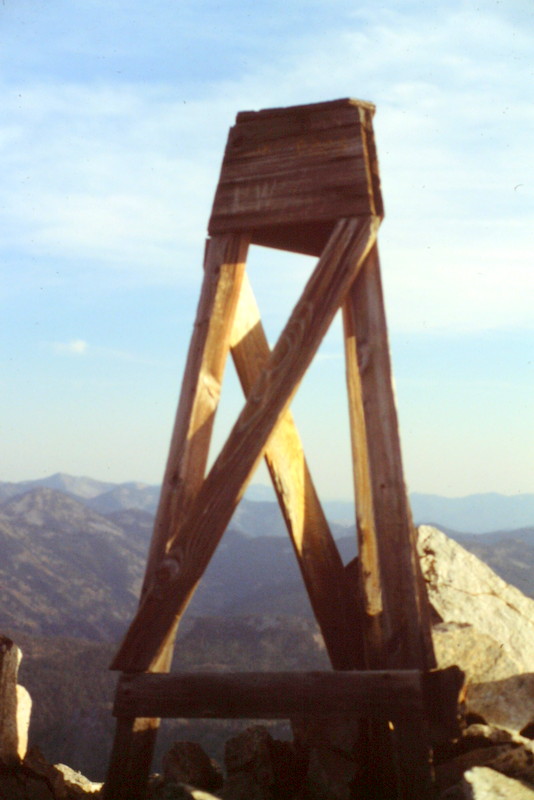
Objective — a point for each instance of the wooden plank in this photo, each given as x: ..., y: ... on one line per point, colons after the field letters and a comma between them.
x: 389, y: 533
x: 225, y: 484
x: 322, y: 569
x: 344, y: 175
x: 396, y: 611
x: 131, y: 758
x: 371, y: 161
x: 249, y: 214
x: 368, y: 566
x: 303, y: 148
x: 297, y: 165
x: 309, y: 238
x: 188, y: 454
x: 344, y: 151
x: 224, y: 267
x: 333, y: 107
x: 270, y: 695
x: 382, y: 694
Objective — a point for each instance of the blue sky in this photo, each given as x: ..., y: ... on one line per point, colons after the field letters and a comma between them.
x: 114, y: 119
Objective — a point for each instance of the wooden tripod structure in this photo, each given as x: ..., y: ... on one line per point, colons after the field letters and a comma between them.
x: 303, y: 179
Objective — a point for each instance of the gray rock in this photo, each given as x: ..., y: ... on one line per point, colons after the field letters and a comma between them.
x: 333, y: 757
x: 462, y: 644
x: 243, y: 786
x: 15, y: 705
x: 186, y: 762
x: 261, y: 766
x: 463, y: 590
x: 486, y: 628
x: 487, y: 746
x: 77, y: 784
x: 508, y: 703
x: 483, y: 783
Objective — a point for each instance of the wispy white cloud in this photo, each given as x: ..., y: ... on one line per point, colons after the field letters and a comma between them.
x: 76, y: 347
x: 122, y: 176
x: 80, y: 347
x: 114, y: 121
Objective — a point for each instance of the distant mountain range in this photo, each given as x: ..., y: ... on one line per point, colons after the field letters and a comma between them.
x: 72, y: 557
x: 68, y: 569
x: 476, y: 513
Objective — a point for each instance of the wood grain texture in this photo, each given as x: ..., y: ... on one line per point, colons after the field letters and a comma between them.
x: 405, y: 619
x: 396, y: 612
x: 131, y: 758
x: 382, y: 694
x: 225, y: 484
x: 332, y: 600
x: 297, y: 166
x: 333, y: 106
x: 371, y: 162
x: 224, y: 266
x: 271, y: 695
x: 368, y: 565
x: 292, y: 158
x: 224, y: 269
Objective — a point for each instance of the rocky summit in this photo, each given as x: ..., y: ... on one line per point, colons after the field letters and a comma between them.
x: 480, y: 623
x: 484, y: 626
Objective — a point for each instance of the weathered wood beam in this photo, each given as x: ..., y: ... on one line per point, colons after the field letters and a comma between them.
x: 331, y: 596
x: 289, y: 174
x: 390, y: 572
x: 215, y: 503
x: 224, y: 268
x: 395, y: 607
x: 131, y: 758
x: 388, y: 695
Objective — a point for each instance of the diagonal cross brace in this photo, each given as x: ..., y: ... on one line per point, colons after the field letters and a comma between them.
x: 192, y: 547
x: 330, y: 591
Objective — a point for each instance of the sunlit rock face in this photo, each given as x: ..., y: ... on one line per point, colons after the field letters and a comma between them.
x: 486, y: 628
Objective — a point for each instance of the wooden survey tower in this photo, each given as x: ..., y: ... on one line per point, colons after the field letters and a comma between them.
x: 303, y: 179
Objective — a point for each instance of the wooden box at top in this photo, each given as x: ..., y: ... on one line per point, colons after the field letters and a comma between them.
x: 289, y: 174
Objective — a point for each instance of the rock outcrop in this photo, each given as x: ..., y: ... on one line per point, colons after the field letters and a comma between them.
x: 481, y: 624
x: 186, y: 762
x: 485, y: 746
x: 34, y: 778
x: 15, y: 705
x: 482, y: 783
x: 485, y: 626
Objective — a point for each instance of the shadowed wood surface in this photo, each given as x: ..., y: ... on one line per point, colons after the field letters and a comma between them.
x: 289, y: 174
x: 225, y: 484
x: 131, y: 758
x: 390, y: 695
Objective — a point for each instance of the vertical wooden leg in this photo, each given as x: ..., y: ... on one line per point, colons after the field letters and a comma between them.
x: 393, y: 596
x: 395, y: 589
x: 131, y: 759
x: 132, y: 753
x: 413, y: 758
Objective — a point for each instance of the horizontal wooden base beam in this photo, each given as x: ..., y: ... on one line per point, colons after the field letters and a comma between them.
x: 389, y: 695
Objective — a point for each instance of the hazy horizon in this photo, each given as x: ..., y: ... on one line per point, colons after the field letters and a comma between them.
x: 254, y: 487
